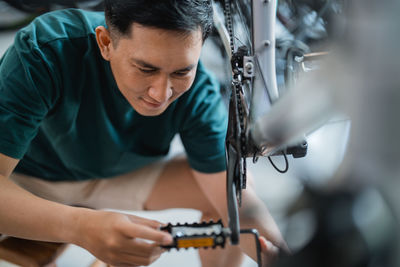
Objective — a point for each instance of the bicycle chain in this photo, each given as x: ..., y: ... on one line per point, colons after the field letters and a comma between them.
x: 238, y: 90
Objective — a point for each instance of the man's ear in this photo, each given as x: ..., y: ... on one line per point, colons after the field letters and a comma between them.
x: 104, y: 42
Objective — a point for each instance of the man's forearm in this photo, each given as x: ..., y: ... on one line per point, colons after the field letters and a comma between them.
x: 27, y: 216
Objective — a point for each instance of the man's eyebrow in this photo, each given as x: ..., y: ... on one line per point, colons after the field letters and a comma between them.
x: 188, y: 68
x: 144, y: 64
x: 150, y: 66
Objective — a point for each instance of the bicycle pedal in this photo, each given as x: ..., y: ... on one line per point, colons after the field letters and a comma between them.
x: 197, y: 235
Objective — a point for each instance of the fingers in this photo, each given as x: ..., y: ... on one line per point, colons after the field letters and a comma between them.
x: 123, y: 240
x: 269, y: 251
x: 140, y: 248
x: 144, y: 221
x: 137, y: 230
x: 126, y: 259
x: 142, y: 260
x: 132, y: 252
x: 267, y: 246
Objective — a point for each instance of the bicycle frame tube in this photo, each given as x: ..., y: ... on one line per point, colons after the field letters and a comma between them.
x: 263, y: 49
x: 263, y: 37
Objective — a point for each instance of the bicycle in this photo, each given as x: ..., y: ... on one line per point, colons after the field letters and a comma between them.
x: 246, y: 60
x: 267, y: 129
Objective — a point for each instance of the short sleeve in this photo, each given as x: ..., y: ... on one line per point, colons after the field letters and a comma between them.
x: 204, y: 128
x: 26, y: 94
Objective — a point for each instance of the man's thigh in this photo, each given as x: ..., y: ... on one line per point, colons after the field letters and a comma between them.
x: 128, y: 191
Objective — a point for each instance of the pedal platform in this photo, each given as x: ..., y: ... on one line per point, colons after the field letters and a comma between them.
x: 197, y: 235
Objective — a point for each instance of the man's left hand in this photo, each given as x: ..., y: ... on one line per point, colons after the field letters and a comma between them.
x: 269, y: 252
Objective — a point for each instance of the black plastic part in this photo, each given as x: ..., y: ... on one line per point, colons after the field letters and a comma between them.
x: 237, y: 57
x: 234, y: 179
x: 233, y: 212
x: 298, y: 151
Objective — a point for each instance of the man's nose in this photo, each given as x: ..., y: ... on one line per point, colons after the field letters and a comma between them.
x: 161, y: 89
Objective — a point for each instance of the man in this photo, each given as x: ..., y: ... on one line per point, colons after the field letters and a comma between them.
x: 87, y: 110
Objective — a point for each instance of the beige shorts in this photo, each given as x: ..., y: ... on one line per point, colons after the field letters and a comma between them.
x: 125, y: 192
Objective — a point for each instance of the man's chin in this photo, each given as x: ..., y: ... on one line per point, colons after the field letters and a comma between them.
x: 149, y: 113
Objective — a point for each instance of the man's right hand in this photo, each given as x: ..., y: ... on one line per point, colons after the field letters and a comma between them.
x: 120, y: 239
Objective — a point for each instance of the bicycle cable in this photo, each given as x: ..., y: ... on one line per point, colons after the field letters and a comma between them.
x: 286, y: 163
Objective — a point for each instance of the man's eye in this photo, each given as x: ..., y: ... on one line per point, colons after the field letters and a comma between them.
x: 181, y: 73
x: 147, y: 70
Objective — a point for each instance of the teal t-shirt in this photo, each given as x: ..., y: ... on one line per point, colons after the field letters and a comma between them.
x: 62, y: 114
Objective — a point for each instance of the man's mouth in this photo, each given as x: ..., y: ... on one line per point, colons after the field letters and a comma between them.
x: 151, y: 103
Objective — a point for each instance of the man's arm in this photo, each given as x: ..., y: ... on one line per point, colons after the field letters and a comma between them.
x: 253, y: 214
x: 27, y: 216
x: 109, y: 236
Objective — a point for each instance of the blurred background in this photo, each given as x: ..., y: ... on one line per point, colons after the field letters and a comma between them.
x: 338, y: 205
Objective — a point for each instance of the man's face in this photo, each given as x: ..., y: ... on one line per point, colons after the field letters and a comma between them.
x: 153, y: 67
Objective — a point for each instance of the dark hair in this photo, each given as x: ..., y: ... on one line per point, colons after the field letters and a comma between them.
x: 181, y: 15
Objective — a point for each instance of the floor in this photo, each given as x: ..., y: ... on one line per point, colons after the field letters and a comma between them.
x: 277, y: 190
